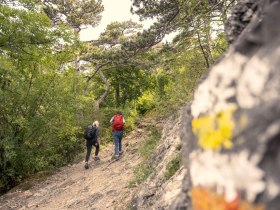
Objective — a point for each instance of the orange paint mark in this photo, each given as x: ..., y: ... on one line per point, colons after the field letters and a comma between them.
x: 204, y: 199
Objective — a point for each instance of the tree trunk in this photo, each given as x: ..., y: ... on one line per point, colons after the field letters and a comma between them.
x: 117, y: 95
x: 77, y: 63
x: 105, y: 94
x: 203, y: 50
x: 208, y: 41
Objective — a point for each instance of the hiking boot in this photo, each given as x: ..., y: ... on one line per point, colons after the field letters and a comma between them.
x: 120, y: 153
x: 86, y: 166
x: 115, y: 157
x: 96, y: 158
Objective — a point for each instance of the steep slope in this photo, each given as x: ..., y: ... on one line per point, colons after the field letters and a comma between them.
x: 159, y: 191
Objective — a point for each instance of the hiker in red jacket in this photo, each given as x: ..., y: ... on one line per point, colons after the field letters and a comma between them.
x: 117, y: 126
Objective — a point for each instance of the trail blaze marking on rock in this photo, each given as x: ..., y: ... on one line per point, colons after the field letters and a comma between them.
x: 215, y: 131
x: 205, y: 199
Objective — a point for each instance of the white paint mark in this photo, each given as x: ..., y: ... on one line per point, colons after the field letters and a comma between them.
x: 211, y: 95
x: 251, y: 82
x: 229, y: 174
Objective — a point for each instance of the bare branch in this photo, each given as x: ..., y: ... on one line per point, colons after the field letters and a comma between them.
x: 97, y: 68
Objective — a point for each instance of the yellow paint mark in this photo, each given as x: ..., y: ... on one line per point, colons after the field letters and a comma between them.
x: 215, y: 131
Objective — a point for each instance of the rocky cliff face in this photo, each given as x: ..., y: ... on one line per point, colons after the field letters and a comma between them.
x: 231, y: 131
x: 159, y: 191
x: 240, y: 17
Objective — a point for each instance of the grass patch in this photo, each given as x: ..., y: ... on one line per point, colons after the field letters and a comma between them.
x: 178, y: 147
x: 145, y: 168
x: 129, y: 206
x: 141, y: 173
x: 150, y: 143
x: 173, y: 166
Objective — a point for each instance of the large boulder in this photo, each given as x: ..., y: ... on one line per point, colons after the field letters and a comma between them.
x: 231, y: 131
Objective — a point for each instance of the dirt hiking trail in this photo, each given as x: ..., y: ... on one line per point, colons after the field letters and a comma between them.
x: 103, y: 186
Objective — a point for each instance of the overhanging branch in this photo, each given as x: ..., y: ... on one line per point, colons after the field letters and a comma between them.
x: 97, y: 68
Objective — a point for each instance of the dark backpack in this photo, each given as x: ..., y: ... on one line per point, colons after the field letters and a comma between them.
x: 90, y: 132
x: 118, y: 122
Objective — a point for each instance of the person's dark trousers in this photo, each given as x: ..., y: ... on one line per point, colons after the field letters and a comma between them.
x: 89, y: 145
x: 118, y: 135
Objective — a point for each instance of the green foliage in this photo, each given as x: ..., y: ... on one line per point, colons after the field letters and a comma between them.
x: 127, y: 84
x: 173, y: 166
x: 39, y: 127
x: 74, y: 13
x: 119, y: 32
x: 39, y: 96
x: 145, y: 102
x: 132, y: 119
x: 174, y: 81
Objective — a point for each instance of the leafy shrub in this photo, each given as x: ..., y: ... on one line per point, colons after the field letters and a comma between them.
x: 146, y: 102
x: 173, y: 166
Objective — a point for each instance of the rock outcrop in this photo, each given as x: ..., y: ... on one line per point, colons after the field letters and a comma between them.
x: 231, y: 131
x: 159, y: 191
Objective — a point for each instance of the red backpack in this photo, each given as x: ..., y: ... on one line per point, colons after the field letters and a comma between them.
x: 118, y: 122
